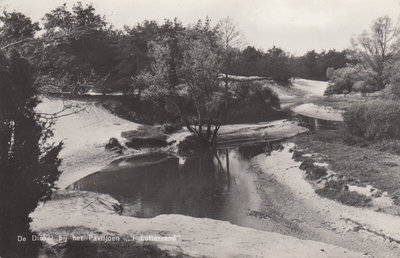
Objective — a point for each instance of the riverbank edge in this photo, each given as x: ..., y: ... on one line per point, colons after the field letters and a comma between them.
x: 381, y: 224
x: 178, y: 235
x: 361, y: 165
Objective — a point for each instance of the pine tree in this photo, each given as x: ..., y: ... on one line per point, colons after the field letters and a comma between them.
x: 28, y: 166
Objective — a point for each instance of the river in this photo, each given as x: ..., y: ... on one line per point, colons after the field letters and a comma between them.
x: 219, y: 185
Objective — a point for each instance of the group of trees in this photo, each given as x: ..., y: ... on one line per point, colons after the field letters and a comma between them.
x: 185, y: 77
x: 314, y: 66
x: 83, y: 51
x: 375, y: 66
x: 281, y: 66
x: 275, y: 63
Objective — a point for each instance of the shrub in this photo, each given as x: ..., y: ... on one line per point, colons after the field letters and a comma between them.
x: 392, y: 91
x: 252, y: 102
x: 374, y: 120
x: 169, y: 128
x: 191, y: 145
x: 114, y: 145
x: 351, y: 78
x: 297, y: 155
x: 363, y: 87
x: 341, y: 80
x: 145, y: 136
x: 313, y: 172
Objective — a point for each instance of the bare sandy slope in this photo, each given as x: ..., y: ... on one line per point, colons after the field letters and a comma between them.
x: 300, y: 89
x: 84, y: 128
x: 306, y: 91
x: 310, y: 87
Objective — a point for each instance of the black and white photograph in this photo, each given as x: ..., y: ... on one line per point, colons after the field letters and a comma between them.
x: 199, y: 128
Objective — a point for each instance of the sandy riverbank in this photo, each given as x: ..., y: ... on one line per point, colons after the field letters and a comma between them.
x: 182, y: 234
x: 285, y: 192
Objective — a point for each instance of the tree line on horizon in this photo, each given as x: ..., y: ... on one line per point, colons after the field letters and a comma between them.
x: 78, y: 50
x: 78, y: 47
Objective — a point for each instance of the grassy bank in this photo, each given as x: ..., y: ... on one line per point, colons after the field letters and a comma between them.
x: 343, y: 101
x: 355, y: 161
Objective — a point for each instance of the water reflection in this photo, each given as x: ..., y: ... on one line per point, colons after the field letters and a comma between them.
x: 216, y: 185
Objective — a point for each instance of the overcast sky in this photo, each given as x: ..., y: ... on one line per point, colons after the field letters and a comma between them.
x: 295, y: 25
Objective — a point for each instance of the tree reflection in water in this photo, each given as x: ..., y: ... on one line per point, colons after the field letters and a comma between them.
x: 213, y: 184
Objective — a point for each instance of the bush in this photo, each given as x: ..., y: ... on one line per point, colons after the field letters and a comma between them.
x: 169, y: 128
x: 351, y: 78
x: 145, y: 136
x: 313, y: 172
x: 341, y: 81
x: 363, y: 87
x: 252, y: 102
x: 297, y: 155
x: 392, y: 91
x: 374, y: 120
x: 192, y: 145
x: 114, y: 145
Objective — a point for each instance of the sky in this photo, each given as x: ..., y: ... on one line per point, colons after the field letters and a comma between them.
x: 294, y: 25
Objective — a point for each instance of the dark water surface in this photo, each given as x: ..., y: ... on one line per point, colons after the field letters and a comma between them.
x: 216, y: 185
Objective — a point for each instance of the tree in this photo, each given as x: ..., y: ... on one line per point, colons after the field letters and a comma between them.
x: 278, y: 65
x: 131, y: 53
x: 201, y: 66
x: 232, y: 40
x: 377, y: 49
x: 185, y: 73
x: 28, y: 165
x: 79, y: 45
x: 16, y: 28
x: 249, y: 62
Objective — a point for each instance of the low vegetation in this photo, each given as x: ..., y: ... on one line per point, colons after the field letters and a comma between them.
x: 145, y: 136
x: 374, y: 120
x: 333, y: 188
x: 313, y: 172
x: 338, y: 190
x: 358, y: 162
